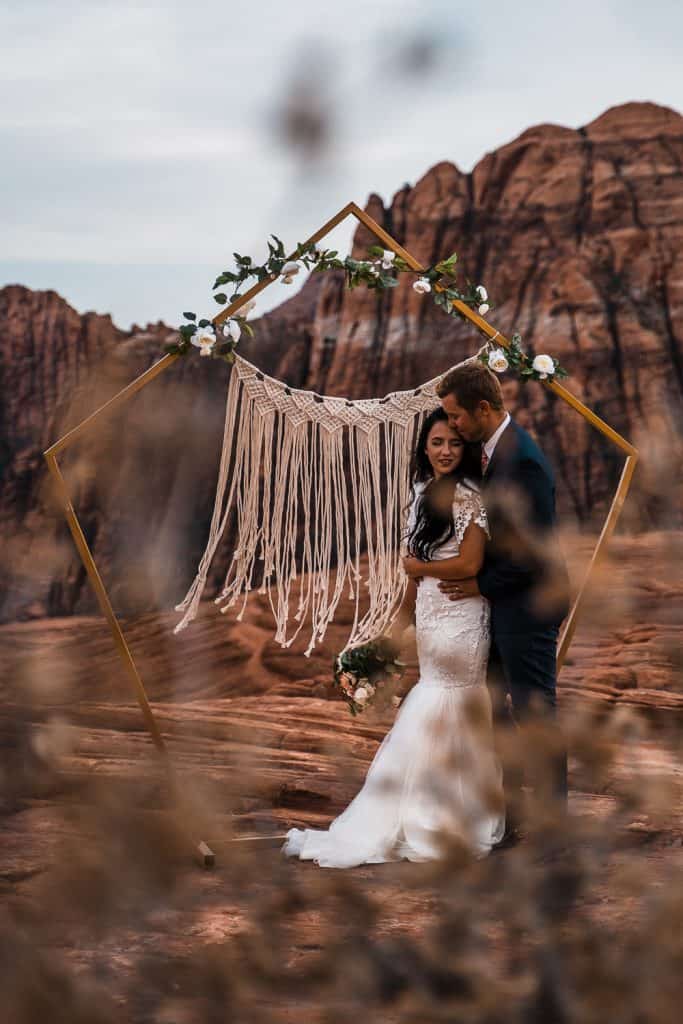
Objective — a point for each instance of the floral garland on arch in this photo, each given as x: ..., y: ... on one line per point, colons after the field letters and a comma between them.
x: 541, y: 367
x: 379, y: 272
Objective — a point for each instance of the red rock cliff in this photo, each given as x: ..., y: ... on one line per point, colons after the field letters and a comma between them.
x: 577, y: 236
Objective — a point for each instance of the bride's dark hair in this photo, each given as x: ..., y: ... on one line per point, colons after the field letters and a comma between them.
x: 434, y: 512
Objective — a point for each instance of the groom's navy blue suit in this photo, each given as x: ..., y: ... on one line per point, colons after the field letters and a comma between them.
x: 528, y: 591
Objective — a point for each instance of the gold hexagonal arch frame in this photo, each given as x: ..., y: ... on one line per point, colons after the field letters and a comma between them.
x: 51, y: 454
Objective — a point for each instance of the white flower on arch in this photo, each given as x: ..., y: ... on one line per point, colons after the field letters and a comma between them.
x: 544, y: 366
x: 204, y: 338
x: 231, y: 329
x: 289, y: 271
x: 498, y: 361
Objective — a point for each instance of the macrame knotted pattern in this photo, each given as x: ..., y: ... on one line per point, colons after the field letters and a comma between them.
x: 313, y: 481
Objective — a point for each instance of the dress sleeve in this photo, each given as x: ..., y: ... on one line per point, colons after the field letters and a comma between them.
x: 468, y: 508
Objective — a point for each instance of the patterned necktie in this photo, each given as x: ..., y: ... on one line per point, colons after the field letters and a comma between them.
x: 484, y: 461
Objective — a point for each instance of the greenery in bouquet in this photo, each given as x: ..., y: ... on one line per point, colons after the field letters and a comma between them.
x: 367, y: 674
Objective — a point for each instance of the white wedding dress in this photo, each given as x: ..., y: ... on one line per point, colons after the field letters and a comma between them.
x: 435, y: 771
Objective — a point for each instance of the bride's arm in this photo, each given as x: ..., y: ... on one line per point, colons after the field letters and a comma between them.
x: 462, y: 566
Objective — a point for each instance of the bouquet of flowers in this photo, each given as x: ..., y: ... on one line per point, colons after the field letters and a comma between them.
x: 365, y: 674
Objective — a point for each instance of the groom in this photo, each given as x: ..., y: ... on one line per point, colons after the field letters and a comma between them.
x: 522, y: 576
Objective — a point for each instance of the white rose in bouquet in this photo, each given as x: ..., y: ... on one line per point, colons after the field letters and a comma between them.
x: 498, y: 361
x: 361, y: 695
x: 544, y: 366
x: 347, y: 682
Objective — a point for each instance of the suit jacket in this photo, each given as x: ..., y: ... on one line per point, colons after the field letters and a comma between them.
x: 523, y: 575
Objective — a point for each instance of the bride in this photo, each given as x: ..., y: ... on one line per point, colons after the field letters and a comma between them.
x: 435, y: 774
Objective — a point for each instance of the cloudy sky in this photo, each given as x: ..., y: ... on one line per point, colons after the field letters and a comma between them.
x: 144, y: 142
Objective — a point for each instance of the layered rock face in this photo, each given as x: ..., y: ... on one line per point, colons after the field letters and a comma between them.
x: 142, y: 479
x: 576, y: 234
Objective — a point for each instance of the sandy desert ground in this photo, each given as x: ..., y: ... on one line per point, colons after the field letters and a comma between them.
x: 103, y: 900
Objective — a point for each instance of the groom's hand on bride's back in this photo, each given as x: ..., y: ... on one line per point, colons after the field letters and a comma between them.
x: 458, y: 590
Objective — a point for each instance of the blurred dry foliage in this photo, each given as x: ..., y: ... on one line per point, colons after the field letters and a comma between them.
x: 580, y: 922
x: 304, y: 121
x: 319, y: 81
x: 104, y: 917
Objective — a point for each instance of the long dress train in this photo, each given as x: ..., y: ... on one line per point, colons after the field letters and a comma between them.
x: 435, y: 773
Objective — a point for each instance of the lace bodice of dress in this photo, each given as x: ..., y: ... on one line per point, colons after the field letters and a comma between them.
x: 452, y: 636
x: 467, y: 508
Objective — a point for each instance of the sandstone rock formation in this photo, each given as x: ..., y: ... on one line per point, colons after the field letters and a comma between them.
x: 577, y: 237
x: 142, y: 480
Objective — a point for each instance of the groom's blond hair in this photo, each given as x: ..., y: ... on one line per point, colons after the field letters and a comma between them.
x: 471, y: 383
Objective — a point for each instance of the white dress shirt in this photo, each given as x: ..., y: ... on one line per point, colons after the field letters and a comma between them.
x: 490, y: 445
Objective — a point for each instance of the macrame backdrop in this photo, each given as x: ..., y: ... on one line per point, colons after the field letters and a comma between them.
x: 324, y: 475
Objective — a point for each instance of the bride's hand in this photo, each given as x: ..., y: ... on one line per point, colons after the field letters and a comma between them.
x: 413, y: 567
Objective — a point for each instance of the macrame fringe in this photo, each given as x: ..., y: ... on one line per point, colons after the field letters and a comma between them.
x: 312, y: 477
